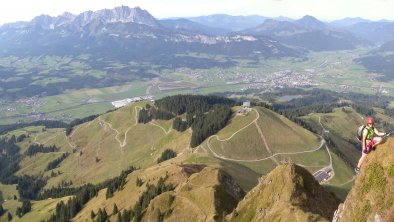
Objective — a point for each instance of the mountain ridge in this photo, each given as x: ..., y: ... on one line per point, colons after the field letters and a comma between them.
x: 307, y: 32
x: 288, y: 191
x: 125, y: 33
x: 372, y: 195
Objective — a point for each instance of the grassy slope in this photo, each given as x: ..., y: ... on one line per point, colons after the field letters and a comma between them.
x: 288, y: 193
x: 245, y: 145
x: 245, y: 176
x: 373, y: 191
x: 145, y: 142
x: 127, y: 197
x: 284, y: 135
x: 281, y: 135
x: 41, y: 210
x: 342, y: 124
x: 8, y: 192
x: 143, y: 146
x: 194, y: 199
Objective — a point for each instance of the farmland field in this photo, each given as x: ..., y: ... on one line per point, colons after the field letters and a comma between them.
x: 327, y: 70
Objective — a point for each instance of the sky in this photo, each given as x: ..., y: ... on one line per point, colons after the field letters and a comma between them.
x: 326, y: 10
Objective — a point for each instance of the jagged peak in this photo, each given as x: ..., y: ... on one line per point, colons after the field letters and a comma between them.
x: 287, y: 190
x: 118, y: 14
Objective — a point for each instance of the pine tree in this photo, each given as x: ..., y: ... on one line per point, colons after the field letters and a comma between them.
x: 115, y: 210
x: 119, y: 217
x: 99, y: 215
x: 92, y: 215
x: 109, y: 193
x: 9, y: 216
x: 1, y: 210
x: 104, y: 215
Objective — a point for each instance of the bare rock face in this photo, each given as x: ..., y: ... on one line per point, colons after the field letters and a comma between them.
x: 288, y: 193
x: 372, y: 195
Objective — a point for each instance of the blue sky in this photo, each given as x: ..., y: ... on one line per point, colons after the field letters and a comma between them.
x: 24, y: 10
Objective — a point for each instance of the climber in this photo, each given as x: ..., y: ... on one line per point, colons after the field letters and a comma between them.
x: 371, y: 137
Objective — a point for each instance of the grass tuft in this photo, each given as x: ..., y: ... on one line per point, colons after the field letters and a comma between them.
x: 375, y: 179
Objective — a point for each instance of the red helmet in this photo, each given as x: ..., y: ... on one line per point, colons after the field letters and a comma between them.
x: 370, y: 120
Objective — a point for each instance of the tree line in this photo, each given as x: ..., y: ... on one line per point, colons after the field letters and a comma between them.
x: 47, y: 123
x: 77, y: 122
x: 136, y: 213
x: 148, y: 195
x: 9, y: 160
x: 180, y: 104
x: 206, y: 125
x: 25, y: 208
x: 172, y: 106
x: 39, y: 148
x: 118, y: 183
x: 55, y: 163
x: 166, y: 155
x: 64, y: 212
x: 205, y: 114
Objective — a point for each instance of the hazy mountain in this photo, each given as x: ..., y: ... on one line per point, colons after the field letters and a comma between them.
x: 376, y: 32
x: 387, y: 47
x: 310, y: 22
x: 126, y: 33
x: 380, y: 60
x: 307, y: 32
x: 284, y: 19
x: 187, y: 25
x: 229, y: 22
x: 348, y: 21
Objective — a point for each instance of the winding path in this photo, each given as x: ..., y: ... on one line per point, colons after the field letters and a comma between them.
x: 262, y: 159
x: 164, y: 130
x: 121, y: 143
x: 236, y: 132
x: 154, y: 124
x: 266, y: 158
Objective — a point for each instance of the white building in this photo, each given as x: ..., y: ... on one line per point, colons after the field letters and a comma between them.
x: 124, y: 102
x: 246, y: 104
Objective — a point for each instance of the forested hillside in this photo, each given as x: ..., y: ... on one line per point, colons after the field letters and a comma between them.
x: 205, y: 114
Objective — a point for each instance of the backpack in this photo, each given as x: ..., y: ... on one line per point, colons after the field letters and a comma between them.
x: 360, y: 132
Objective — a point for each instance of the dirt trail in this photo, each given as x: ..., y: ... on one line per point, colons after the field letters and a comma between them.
x: 265, y: 143
x: 322, y: 142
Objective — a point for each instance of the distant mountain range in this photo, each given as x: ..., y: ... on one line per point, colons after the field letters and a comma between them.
x: 132, y: 33
x: 348, y: 21
x: 380, y: 60
x: 228, y: 22
x: 307, y: 32
x: 376, y: 32
x: 190, y: 26
x: 128, y: 33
